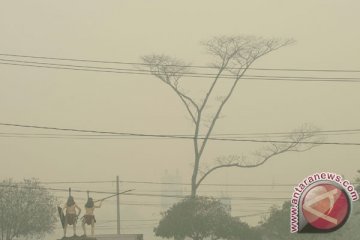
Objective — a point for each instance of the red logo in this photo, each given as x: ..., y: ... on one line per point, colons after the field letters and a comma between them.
x: 325, y: 207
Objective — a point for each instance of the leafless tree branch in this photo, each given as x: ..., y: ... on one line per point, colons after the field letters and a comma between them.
x: 296, y: 142
x: 170, y: 71
x: 241, y: 52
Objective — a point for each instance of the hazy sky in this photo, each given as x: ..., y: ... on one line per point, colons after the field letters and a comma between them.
x: 327, y: 37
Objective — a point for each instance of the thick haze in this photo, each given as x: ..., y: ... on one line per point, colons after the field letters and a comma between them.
x: 327, y: 36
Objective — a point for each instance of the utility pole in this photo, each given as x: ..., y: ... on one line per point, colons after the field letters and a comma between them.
x: 118, y: 204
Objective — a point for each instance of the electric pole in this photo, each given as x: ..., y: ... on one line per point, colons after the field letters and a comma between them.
x: 118, y: 204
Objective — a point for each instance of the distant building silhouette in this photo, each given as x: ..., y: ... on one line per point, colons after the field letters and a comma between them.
x: 227, y: 202
x: 170, y: 189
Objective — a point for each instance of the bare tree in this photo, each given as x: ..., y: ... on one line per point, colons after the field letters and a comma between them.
x: 232, y: 58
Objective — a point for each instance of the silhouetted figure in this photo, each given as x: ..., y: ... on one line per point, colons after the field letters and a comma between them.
x: 71, y: 216
x: 89, y: 217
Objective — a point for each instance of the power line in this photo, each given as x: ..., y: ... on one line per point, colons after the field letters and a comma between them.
x: 191, y: 74
x: 115, y: 137
x: 134, y: 220
x: 185, y: 184
x: 141, y: 194
x: 76, y: 182
x: 253, y: 215
x: 195, y: 75
x: 230, y: 135
x: 244, y: 202
x: 212, y: 191
x: 53, y: 189
x: 187, y: 66
x: 178, y: 137
x: 75, y: 137
x: 175, y: 183
x: 292, y: 79
x: 86, y: 191
x: 168, y: 183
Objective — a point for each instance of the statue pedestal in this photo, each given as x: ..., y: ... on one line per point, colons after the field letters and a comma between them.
x: 78, y: 238
x: 107, y: 237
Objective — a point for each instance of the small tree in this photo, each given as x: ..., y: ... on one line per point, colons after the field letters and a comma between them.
x: 200, y: 218
x: 232, y: 57
x: 277, y: 224
x: 276, y: 227
x: 357, y: 181
x: 26, y: 209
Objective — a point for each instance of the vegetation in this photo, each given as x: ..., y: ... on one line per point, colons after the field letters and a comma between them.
x: 26, y: 210
x: 199, y: 218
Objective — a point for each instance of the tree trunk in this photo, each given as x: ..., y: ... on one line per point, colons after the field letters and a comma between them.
x: 194, y: 176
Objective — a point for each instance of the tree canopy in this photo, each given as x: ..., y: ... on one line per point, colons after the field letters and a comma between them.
x: 277, y: 227
x: 200, y: 218
x: 26, y: 210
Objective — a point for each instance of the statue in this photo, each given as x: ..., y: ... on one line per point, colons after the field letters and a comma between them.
x: 70, y: 212
x: 71, y: 215
x: 89, y: 217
